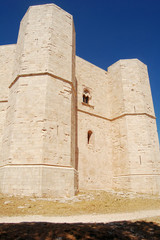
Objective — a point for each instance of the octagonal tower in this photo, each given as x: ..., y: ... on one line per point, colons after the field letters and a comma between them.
x: 39, y: 144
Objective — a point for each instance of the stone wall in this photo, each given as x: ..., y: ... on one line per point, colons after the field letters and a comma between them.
x: 95, y: 155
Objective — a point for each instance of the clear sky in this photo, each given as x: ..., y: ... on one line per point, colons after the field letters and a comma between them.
x: 106, y: 31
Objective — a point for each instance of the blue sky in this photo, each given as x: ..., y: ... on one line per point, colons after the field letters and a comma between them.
x: 106, y: 31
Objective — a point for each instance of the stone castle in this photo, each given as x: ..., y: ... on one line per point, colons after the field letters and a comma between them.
x: 66, y: 124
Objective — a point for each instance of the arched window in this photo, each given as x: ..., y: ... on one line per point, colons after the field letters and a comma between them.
x: 86, y: 96
x: 89, y: 136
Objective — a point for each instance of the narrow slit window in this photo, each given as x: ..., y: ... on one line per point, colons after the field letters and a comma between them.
x: 89, y: 136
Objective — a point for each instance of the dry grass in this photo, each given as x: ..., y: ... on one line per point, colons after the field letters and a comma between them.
x: 97, y: 202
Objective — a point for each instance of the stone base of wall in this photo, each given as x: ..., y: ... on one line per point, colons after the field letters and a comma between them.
x: 38, y: 180
x: 147, y: 184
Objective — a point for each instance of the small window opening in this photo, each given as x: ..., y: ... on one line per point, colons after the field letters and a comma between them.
x: 86, y: 96
x: 89, y: 136
x: 85, y: 99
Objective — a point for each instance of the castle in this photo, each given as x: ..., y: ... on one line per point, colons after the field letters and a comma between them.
x: 65, y: 123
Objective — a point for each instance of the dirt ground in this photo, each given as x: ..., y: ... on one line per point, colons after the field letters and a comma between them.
x: 90, y: 202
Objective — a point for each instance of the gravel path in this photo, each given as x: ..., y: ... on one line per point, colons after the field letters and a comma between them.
x: 92, y: 218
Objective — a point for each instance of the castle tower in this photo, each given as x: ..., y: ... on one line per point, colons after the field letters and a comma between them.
x: 136, y: 159
x: 39, y: 143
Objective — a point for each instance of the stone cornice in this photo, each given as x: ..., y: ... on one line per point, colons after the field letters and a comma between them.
x: 42, y: 74
x: 43, y: 164
x: 115, y: 118
x: 3, y: 101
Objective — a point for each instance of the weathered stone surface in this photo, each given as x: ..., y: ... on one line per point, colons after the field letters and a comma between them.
x: 67, y: 124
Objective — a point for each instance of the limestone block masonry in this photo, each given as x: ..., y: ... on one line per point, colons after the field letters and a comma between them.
x: 66, y: 124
